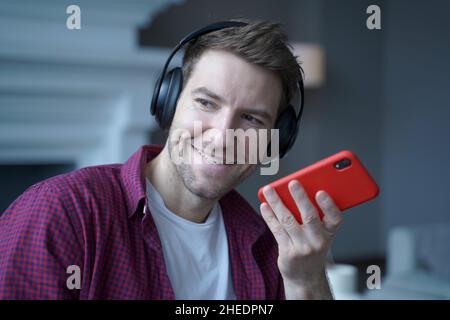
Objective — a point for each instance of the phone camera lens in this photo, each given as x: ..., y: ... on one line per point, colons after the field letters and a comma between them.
x: 343, y: 163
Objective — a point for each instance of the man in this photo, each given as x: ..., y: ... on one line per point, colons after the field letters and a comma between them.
x: 155, y: 228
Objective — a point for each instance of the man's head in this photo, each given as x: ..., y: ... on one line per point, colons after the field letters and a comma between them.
x: 234, y: 78
x: 259, y: 42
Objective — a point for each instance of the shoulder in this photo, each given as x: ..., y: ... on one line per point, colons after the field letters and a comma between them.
x: 85, y: 186
x: 69, y: 194
x: 87, y: 180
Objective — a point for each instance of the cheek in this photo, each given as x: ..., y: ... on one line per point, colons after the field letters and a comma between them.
x: 195, y: 124
x: 187, y: 116
x: 253, y: 144
x: 183, y: 119
x: 247, y: 170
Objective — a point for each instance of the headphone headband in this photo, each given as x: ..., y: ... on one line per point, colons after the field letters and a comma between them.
x: 195, y: 34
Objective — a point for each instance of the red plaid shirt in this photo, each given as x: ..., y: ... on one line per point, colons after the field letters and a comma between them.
x: 94, y: 218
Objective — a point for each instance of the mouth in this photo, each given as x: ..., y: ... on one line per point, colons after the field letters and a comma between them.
x: 209, y: 159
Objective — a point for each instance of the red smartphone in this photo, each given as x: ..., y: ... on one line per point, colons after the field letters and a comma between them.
x: 341, y: 175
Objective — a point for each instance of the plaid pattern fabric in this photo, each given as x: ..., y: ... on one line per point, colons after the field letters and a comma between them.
x: 95, y: 218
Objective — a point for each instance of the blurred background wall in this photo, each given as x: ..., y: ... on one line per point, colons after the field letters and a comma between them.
x: 70, y: 98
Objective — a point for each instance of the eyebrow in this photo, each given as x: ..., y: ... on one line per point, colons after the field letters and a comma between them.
x: 261, y: 113
x: 209, y: 93
x: 215, y: 96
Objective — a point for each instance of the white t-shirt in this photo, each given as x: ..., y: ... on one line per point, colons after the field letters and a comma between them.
x: 195, y: 254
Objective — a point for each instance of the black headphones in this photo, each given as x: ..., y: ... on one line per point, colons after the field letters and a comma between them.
x: 169, y: 84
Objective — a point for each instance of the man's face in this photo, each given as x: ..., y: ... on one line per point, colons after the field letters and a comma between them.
x: 224, y: 92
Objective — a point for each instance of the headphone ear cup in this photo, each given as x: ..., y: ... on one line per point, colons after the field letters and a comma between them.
x: 164, y: 102
x: 154, y: 104
x: 287, y: 125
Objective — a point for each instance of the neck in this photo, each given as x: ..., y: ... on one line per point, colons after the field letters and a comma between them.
x: 177, y: 198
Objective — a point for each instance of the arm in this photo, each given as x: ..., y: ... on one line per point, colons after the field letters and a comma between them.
x: 37, y: 244
x: 311, y: 290
x: 302, y: 248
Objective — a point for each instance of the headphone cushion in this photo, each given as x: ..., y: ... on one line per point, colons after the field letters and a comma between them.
x: 167, y: 97
x: 287, y: 125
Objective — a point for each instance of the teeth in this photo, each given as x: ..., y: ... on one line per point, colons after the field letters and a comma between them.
x: 206, y: 157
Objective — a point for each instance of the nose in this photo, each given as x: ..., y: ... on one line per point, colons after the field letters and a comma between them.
x: 216, y: 129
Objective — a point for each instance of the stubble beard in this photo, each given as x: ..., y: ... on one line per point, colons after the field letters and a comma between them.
x: 214, y: 190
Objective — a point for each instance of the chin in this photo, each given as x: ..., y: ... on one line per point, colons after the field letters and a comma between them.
x: 217, y: 184
x: 212, y: 186
x: 207, y: 190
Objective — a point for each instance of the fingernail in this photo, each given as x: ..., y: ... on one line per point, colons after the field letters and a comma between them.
x: 322, y: 196
x: 268, y: 191
x: 294, y: 185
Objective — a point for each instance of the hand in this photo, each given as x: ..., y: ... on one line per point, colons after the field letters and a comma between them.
x: 302, y: 248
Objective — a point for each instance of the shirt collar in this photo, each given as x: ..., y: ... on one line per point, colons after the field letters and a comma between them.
x: 156, y: 205
x: 133, y: 176
x: 240, y: 218
x: 237, y: 213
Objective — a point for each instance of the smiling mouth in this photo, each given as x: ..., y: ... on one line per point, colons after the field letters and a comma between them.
x: 209, y: 159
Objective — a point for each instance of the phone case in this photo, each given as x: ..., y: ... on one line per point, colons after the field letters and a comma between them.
x: 348, y: 187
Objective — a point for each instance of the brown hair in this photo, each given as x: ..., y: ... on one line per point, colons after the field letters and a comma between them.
x: 259, y: 42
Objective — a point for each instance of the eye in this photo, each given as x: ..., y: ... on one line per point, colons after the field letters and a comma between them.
x: 252, y: 119
x: 205, y: 103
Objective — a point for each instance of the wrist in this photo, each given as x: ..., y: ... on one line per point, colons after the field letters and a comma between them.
x: 306, y: 279
x: 314, y: 287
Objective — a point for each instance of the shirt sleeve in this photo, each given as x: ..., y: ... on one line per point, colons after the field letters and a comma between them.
x: 38, y: 243
x: 280, y: 292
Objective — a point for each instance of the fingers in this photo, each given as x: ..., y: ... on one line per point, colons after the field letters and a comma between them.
x: 307, y: 210
x: 287, y: 230
x: 312, y: 226
x: 283, y: 215
x: 332, y: 214
x: 274, y: 225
